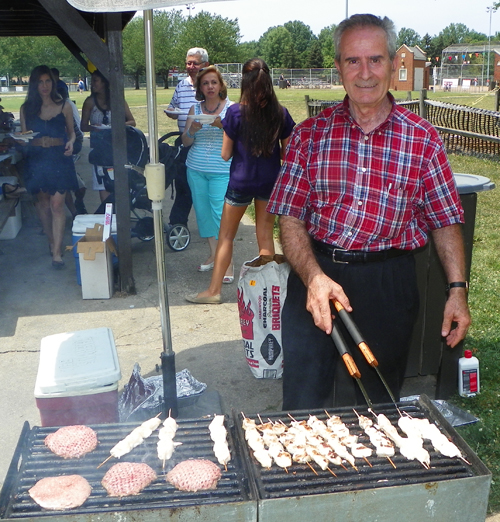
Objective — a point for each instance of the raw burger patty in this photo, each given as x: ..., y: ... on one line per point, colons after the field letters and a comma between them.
x: 127, y: 478
x: 193, y: 475
x: 66, y: 492
x: 72, y: 442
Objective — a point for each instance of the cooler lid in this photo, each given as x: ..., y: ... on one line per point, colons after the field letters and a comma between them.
x: 74, y: 361
x: 84, y: 221
x: 469, y: 183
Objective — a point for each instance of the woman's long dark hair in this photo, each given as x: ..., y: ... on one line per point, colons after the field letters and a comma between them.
x: 106, y: 90
x: 33, y: 103
x: 263, y: 116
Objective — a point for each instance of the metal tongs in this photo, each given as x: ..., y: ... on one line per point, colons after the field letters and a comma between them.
x: 361, y: 343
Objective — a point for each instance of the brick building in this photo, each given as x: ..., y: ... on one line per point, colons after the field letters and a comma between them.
x: 411, y: 74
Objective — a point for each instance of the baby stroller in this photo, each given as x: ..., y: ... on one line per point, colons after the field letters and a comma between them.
x: 178, y: 236
x: 173, y: 156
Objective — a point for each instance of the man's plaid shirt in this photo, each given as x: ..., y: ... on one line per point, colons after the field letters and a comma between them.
x: 385, y: 189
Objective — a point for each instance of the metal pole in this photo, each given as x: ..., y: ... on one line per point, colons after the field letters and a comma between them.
x: 167, y: 356
x: 347, y: 8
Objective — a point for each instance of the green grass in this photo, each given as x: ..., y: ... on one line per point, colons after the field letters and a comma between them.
x: 484, y: 297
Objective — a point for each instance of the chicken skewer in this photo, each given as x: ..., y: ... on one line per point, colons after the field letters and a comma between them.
x: 133, y: 439
x: 410, y: 448
x: 429, y: 431
x: 165, y: 446
x: 383, y: 446
x: 256, y: 443
x: 218, y: 434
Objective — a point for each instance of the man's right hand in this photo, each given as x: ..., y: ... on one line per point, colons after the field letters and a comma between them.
x: 321, y: 291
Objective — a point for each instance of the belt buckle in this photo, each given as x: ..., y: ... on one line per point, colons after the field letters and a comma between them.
x: 335, y: 250
x: 45, y: 141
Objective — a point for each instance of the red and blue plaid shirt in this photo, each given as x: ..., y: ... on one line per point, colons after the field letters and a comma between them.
x: 371, y: 192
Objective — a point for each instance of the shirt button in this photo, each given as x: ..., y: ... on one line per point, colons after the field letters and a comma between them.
x: 363, y: 170
x: 360, y: 203
x: 366, y: 138
x: 349, y: 233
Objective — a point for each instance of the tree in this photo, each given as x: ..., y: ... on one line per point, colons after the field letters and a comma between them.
x: 315, y: 57
x: 248, y: 50
x: 219, y: 36
x: 168, y: 28
x: 408, y: 37
x: 133, y: 49
x: 277, y: 47
x: 325, y: 39
x: 302, y: 37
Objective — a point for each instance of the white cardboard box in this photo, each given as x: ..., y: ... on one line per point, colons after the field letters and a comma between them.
x: 14, y: 223
x: 96, y: 266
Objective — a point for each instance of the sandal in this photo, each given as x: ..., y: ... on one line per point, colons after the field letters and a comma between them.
x: 9, y: 191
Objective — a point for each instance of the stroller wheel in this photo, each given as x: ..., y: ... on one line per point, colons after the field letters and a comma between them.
x: 178, y: 237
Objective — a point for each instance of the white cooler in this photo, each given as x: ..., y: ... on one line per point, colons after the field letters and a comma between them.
x: 77, y: 379
x: 14, y: 223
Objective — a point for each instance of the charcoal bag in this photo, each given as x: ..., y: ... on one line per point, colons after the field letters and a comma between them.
x: 261, y: 295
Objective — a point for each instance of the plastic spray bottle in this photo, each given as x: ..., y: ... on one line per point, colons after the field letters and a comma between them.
x: 468, y: 375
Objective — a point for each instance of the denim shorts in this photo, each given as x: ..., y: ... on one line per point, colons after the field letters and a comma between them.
x: 237, y: 199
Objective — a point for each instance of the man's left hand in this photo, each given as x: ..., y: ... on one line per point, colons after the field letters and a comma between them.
x: 455, y: 311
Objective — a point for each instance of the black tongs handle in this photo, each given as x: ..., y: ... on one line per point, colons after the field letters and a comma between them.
x: 341, y: 345
x: 355, y: 333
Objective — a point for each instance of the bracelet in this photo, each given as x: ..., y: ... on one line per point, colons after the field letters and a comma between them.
x: 189, y: 135
x: 458, y: 284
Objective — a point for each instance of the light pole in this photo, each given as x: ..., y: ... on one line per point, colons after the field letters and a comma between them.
x: 492, y: 9
x: 347, y: 8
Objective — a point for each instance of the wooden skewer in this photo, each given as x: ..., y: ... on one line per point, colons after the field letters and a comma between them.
x: 314, y: 471
x: 225, y: 467
x: 343, y: 466
x: 285, y: 470
x: 331, y: 471
x: 390, y: 460
x: 327, y: 414
x: 368, y: 462
x: 102, y: 463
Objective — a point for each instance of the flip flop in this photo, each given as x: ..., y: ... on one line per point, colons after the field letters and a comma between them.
x: 57, y: 265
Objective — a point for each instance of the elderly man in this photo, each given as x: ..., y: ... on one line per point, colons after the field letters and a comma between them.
x: 362, y: 185
x: 183, y: 99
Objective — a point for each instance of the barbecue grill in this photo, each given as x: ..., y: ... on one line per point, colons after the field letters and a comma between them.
x: 32, y: 461
x: 453, y: 490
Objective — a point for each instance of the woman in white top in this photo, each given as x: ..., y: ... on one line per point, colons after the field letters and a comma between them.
x: 207, y: 172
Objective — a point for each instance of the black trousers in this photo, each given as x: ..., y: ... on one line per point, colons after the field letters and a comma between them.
x: 385, y: 301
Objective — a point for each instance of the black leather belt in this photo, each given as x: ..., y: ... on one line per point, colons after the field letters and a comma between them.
x: 339, y: 255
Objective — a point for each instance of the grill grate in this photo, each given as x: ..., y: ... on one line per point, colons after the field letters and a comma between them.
x: 299, y: 479
x: 39, y: 462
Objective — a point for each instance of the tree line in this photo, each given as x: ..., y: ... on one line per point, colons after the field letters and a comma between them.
x: 291, y: 46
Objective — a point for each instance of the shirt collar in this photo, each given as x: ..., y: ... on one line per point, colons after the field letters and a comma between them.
x: 347, y: 113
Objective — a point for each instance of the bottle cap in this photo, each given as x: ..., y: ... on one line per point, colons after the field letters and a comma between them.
x: 467, y: 354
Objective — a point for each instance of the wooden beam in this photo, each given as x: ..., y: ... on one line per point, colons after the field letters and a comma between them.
x: 79, y: 31
x: 122, y: 198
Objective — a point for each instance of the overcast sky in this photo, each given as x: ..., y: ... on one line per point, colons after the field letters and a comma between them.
x: 423, y: 16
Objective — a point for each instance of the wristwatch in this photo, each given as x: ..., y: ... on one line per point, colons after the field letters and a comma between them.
x: 458, y: 284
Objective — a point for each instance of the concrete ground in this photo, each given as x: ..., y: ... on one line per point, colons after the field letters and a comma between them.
x: 36, y: 301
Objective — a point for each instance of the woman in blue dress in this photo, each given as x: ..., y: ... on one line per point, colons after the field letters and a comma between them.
x: 49, y: 170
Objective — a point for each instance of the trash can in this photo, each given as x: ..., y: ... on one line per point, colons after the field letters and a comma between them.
x: 429, y: 355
